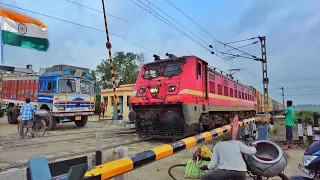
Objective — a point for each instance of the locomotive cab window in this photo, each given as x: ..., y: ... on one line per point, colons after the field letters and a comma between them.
x: 173, y: 69
x: 151, y: 71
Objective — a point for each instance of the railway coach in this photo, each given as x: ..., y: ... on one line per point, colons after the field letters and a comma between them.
x: 180, y: 96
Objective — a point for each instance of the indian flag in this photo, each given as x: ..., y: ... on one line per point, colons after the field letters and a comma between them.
x: 22, y: 31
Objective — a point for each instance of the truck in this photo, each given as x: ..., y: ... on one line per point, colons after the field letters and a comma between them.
x: 65, y: 92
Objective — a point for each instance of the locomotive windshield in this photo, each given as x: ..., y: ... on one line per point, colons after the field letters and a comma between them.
x: 151, y: 71
x: 85, y: 87
x: 172, y: 69
x: 67, y: 85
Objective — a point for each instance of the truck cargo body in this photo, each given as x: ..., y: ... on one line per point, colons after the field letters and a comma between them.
x: 16, y: 88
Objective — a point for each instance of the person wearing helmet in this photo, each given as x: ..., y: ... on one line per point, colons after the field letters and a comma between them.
x: 26, y: 112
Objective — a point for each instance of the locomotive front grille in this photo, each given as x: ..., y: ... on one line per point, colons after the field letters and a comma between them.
x: 168, y: 130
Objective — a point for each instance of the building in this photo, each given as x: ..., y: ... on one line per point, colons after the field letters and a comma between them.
x: 123, y: 92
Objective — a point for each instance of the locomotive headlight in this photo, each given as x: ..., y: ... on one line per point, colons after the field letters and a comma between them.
x: 142, y: 90
x: 154, y: 90
x: 171, y: 88
x: 308, y: 159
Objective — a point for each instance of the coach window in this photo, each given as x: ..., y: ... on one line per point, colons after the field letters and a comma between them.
x: 219, y: 89
x: 242, y: 95
x: 225, y: 90
x: 211, y: 76
x: 239, y: 95
x: 231, y: 92
x: 49, y: 86
x: 212, y: 87
x: 235, y: 93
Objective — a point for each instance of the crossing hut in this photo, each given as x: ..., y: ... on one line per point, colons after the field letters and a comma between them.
x: 123, y: 93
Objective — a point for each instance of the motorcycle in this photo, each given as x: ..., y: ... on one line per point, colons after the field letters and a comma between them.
x: 311, y: 163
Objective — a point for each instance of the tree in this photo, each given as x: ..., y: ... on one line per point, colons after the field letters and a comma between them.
x: 126, y: 67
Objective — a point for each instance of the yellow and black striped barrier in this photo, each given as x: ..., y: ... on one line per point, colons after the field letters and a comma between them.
x: 120, y: 166
x: 113, y: 79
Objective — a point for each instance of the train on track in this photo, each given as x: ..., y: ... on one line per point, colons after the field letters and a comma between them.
x: 180, y: 96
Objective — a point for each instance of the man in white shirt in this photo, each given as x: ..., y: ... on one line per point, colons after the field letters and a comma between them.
x: 227, y: 162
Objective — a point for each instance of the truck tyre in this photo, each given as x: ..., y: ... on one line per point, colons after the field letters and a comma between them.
x: 1, y: 114
x: 50, y: 122
x: 13, y: 115
x: 82, y: 122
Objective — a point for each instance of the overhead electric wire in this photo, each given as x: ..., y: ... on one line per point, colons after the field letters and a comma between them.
x: 192, y: 20
x: 243, y: 46
x: 177, y: 22
x: 96, y: 10
x: 241, y: 40
x: 169, y: 23
x: 85, y: 26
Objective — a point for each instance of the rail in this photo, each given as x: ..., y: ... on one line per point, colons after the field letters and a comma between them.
x: 120, y: 166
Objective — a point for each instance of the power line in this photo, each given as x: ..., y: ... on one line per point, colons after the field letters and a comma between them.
x: 177, y: 22
x: 169, y: 24
x: 96, y: 10
x: 192, y: 20
x: 241, y: 40
x: 85, y: 26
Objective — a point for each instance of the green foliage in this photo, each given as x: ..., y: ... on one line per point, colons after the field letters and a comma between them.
x: 303, y: 114
x: 126, y: 67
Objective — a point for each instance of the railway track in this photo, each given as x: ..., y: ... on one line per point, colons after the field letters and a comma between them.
x: 84, y: 135
x: 69, y: 155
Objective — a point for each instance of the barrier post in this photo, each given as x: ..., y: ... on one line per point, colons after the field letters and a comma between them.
x: 309, y: 131
x: 99, y: 148
x: 300, y: 130
x: 316, y: 126
x: 263, y: 127
x: 271, y: 123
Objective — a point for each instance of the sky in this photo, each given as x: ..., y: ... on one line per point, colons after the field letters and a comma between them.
x: 291, y: 29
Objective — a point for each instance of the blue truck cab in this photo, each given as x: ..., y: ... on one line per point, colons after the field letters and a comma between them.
x: 67, y: 93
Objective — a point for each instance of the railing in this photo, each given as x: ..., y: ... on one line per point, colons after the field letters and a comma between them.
x: 120, y: 166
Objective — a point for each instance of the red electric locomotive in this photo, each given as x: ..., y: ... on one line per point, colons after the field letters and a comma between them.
x: 181, y: 96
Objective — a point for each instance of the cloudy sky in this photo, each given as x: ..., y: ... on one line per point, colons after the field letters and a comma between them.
x: 291, y: 27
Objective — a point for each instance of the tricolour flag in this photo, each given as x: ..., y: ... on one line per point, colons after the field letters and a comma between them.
x: 22, y: 31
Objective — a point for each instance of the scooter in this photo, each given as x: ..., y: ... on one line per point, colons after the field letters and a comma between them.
x: 311, y: 163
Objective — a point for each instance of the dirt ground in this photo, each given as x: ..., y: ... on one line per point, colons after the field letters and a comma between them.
x: 68, y: 139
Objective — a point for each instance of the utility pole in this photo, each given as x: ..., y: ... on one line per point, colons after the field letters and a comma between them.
x: 265, y: 79
x: 282, y: 97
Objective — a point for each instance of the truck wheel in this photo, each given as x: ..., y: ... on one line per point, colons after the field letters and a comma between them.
x: 50, y: 123
x: 13, y: 115
x: 1, y: 114
x: 82, y: 122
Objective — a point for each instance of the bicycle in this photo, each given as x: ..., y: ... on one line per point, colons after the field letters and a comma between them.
x: 38, y: 126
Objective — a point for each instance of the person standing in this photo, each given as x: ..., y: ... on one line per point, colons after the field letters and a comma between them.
x: 26, y: 112
x: 102, y: 109
x: 289, y: 123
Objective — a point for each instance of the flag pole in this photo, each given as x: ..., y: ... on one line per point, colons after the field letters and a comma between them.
x: 1, y: 44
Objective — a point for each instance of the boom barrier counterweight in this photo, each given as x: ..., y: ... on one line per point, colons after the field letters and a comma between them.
x: 113, y: 79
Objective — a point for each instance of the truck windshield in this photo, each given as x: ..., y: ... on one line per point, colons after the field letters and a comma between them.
x: 67, y: 85
x: 151, y: 71
x: 172, y: 69
x: 85, y: 87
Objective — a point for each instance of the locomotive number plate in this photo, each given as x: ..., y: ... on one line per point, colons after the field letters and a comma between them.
x: 78, y: 118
